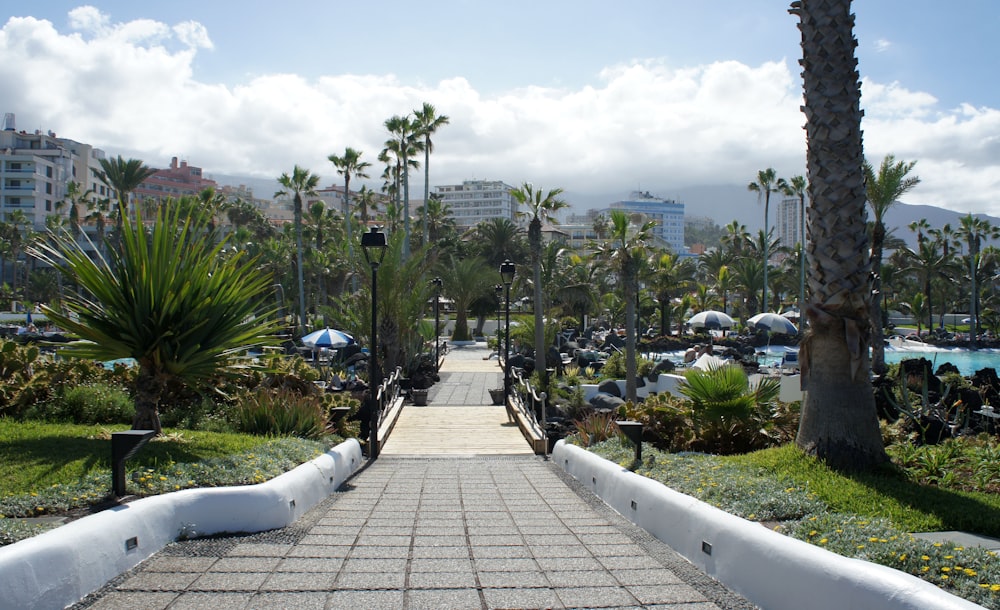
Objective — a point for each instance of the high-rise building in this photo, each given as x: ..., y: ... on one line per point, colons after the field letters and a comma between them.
x: 474, y: 201
x: 788, y: 228
x: 666, y: 213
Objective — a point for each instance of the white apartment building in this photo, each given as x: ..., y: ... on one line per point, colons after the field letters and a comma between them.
x: 666, y: 213
x: 474, y: 201
x: 35, y: 169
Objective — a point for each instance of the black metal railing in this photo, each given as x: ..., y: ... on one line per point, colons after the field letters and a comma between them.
x: 527, y: 400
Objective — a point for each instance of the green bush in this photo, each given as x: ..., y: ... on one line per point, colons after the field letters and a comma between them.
x: 665, y: 418
x: 96, y: 403
x: 281, y: 412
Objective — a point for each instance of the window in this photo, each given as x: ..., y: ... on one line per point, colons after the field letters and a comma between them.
x: 48, y: 172
x: 48, y: 205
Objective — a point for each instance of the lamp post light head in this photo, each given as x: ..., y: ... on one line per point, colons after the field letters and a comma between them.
x: 437, y: 284
x: 374, y: 245
x: 498, y: 289
x: 507, y: 271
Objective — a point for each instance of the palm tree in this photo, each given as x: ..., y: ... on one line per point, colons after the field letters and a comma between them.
x: 736, y: 239
x: 348, y: 165
x: 300, y: 183
x: 427, y: 122
x: 123, y: 176
x: 975, y: 230
x: 767, y: 183
x: 838, y: 423
x: 797, y: 187
x: 17, y: 234
x: 404, y: 144
x: 672, y: 275
x: 499, y: 239
x: 539, y: 208
x: 883, y: 190
x: 167, y: 299
x: 366, y: 201
x: 624, y: 250
x: 464, y: 281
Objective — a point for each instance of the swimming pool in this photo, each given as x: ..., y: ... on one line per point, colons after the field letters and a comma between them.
x: 966, y: 361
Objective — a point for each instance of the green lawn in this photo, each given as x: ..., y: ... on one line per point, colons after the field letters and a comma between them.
x: 37, y: 455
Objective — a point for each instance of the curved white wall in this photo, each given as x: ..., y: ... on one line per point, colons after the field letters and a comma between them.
x: 770, y: 569
x: 61, y: 566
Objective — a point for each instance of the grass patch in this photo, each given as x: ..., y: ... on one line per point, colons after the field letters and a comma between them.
x: 56, y: 468
x: 35, y: 455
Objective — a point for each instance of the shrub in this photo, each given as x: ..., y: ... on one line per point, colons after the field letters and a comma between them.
x: 596, y: 428
x: 95, y: 403
x: 729, y: 416
x: 281, y: 412
x: 665, y: 418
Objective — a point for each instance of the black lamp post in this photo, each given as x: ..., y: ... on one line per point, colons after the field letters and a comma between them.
x: 498, y: 289
x: 507, y: 271
x: 437, y: 323
x: 373, y: 245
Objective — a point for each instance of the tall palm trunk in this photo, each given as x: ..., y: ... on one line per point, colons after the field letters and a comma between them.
x: 878, y: 334
x: 631, y: 287
x: 839, y: 422
x: 535, y: 243
x: 298, y: 262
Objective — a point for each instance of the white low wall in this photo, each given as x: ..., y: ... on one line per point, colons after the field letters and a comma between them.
x: 771, y: 570
x: 62, y: 566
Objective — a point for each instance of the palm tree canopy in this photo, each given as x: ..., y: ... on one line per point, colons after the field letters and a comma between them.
x: 890, y: 183
x: 123, y: 175
x: 540, y: 207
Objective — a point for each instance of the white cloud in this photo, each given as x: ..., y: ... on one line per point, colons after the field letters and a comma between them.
x: 882, y: 45
x: 129, y: 88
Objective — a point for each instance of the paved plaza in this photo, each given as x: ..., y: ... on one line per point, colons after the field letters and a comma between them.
x: 491, y: 529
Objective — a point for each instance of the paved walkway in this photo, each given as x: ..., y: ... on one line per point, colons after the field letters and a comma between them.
x: 431, y: 532
x: 459, y: 418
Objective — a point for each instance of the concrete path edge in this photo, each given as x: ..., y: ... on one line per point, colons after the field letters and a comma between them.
x: 62, y: 566
x: 770, y: 569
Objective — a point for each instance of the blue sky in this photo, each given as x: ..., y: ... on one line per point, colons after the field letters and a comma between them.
x: 593, y: 97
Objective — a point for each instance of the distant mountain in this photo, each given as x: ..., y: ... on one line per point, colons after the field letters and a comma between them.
x: 902, y: 214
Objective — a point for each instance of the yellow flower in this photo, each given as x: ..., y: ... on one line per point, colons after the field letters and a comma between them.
x: 969, y: 572
x: 946, y: 569
x: 861, y: 546
x: 873, y: 539
x: 925, y: 568
x: 994, y: 587
x: 937, y: 544
x: 959, y: 548
x: 822, y: 540
x: 944, y: 577
x: 949, y: 556
x: 902, y: 556
x: 925, y: 557
x: 812, y: 533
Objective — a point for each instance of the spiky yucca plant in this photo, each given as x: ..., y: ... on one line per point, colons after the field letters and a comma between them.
x: 167, y: 299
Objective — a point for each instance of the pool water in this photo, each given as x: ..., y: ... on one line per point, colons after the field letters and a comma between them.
x: 966, y: 361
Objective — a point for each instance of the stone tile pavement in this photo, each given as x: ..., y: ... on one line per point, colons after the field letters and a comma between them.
x: 487, y: 532
x: 442, y: 532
